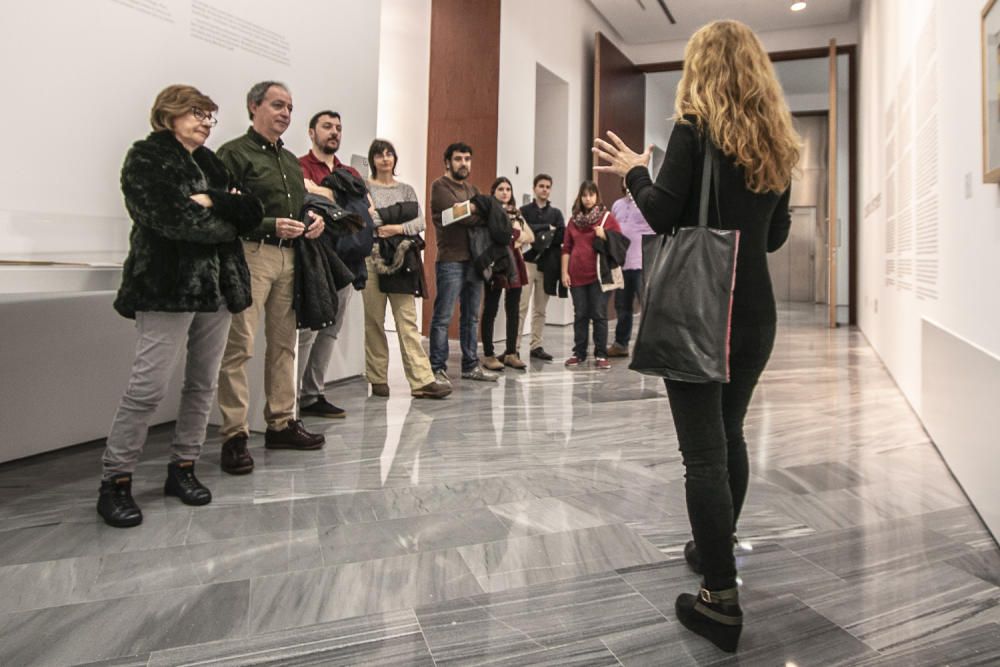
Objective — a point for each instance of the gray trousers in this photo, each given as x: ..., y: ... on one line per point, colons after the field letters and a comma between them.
x: 161, y: 336
x: 316, y: 350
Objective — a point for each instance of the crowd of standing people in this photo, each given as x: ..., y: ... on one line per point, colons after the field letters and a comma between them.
x: 223, y: 240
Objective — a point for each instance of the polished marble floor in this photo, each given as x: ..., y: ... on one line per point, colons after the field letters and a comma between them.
x: 536, y: 521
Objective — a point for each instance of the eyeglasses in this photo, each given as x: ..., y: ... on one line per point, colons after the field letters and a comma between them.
x: 204, y: 117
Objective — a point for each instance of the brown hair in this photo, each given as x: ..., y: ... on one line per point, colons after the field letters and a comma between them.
x: 175, y: 101
x: 730, y: 87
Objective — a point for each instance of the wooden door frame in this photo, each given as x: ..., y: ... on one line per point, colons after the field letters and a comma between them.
x: 851, y: 51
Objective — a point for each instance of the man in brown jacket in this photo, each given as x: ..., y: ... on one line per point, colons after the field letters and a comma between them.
x: 456, y: 278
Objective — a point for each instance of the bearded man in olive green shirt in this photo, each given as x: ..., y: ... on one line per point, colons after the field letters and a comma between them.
x: 263, y: 168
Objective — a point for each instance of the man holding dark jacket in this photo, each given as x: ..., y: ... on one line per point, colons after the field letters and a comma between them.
x: 455, y: 276
x: 265, y: 169
x: 316, y: 347
x: 546, y: 222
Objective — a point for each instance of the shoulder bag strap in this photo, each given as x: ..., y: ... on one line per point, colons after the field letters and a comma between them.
x: 709, y: 178
x: 706, y: 183
x: 605, y: 218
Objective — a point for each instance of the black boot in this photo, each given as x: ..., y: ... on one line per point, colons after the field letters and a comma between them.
x: 182, y: 483
x: 715, y: 615
x: 115, y: 503
x: 692, y: 557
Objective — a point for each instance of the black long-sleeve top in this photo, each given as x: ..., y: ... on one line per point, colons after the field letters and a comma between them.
x: 762, y: 218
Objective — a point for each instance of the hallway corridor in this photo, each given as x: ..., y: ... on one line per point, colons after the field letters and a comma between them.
x: 539, y: 520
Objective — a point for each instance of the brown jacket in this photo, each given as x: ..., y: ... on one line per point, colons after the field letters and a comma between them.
x: 453, y: 240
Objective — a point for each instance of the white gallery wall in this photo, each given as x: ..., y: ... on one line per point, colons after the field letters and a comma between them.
x: 85, y: 75
x: 930, y: 229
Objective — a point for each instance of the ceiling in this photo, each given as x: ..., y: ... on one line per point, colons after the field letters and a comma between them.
x: 645, y: 22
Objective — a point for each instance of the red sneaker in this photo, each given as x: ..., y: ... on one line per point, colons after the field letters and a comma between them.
x: 572, y: 362
x: 602, y: 364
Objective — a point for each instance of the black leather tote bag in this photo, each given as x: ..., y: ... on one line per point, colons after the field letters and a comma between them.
x: 688, y: 298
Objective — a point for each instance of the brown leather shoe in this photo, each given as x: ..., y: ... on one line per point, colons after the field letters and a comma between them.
x: 432, y: 390
x: 514, y: 361
x: 492, y: 364
x: 236, y: 459
x: 293, y: 436
x: 617, y: 350
x: 379, y: 389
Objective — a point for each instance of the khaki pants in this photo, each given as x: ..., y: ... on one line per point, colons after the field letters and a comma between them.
x: 404, y: 311
x: 272, y: 271
x: 536, y: 286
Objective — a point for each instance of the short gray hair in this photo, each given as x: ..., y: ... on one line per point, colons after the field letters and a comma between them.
x: 259, y: 91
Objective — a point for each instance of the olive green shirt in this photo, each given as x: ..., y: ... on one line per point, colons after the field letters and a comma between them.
x: 268, y: 172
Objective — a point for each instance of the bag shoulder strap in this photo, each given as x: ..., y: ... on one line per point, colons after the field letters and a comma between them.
x: 605, y: 218
x: 709, y: 177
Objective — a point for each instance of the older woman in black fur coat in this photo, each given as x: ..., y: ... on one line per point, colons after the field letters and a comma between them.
x: 184, y: 277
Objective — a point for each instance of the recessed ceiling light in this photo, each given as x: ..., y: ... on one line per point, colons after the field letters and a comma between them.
x: 798, y: 6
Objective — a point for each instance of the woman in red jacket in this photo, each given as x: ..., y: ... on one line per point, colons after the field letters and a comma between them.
x: 579, y: 273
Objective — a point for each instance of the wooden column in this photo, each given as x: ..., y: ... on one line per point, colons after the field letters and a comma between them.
x: 463, y: 97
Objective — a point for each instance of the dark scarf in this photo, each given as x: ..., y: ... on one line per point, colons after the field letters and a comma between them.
x: 585, y: 221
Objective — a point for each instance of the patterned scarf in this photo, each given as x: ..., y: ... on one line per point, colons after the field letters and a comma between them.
x: 585, y: 221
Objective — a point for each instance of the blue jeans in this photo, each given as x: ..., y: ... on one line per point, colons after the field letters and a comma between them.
x: 455, y: 282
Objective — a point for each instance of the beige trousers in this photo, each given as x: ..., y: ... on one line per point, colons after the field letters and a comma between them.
x: 404, y: 311
x: 272, y: 273
x: 536, y: 286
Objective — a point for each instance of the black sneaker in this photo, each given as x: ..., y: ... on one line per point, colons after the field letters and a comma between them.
x: 293, y: 436
x: 115, y: 503
x: 182, y: 483
x: 540, y: 353
x: 323, y: 408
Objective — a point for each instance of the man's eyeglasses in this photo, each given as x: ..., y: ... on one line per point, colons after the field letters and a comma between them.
x: 204, y: 117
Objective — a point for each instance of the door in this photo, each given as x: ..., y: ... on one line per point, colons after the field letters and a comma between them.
x: 793, y: 268
x: 831, y: 172
x: 619, y: 106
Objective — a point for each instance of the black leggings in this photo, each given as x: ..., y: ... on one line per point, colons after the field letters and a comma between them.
x: 491, y: 306
x: 709, y: 422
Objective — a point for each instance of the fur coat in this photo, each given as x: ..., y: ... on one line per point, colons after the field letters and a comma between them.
x: 183, y: 257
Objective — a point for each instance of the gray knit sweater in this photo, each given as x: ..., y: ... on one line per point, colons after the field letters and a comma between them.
x: 387, y: 195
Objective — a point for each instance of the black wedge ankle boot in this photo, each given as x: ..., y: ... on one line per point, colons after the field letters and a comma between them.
x: 715, y: 615
x: 115, y: 503
x: 182, y: 483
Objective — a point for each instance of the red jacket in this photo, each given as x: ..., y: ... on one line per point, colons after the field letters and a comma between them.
x: 579, y: 245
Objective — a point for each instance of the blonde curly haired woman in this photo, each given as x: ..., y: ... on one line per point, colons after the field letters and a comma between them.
x: 729, y: 96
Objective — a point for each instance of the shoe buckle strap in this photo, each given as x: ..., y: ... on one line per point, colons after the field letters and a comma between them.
x: 718, y: 617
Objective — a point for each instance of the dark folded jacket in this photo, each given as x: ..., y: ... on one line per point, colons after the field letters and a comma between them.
x: 550, y: 264
x: 489, y: 243
x: 610, y: 254
x: 319, y: 271
x: 352, y: 194
x: 397, y: 259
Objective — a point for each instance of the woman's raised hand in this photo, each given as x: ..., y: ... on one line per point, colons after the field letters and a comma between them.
x: 620, y: 158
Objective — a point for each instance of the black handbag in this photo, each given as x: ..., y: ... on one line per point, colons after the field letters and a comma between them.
x: 688, y: 299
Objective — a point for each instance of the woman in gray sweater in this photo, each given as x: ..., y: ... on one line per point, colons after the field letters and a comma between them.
x: 397, y: 213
